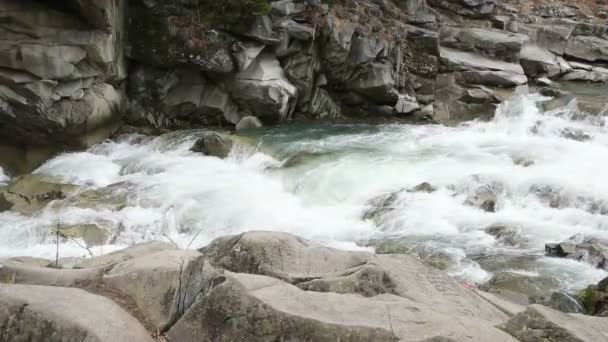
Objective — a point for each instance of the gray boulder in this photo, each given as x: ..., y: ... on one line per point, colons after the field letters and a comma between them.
x: 586, y: 73
x: 261, y: 308
x: 538, y: 323
x: 590, y: 250
x: 57, y: 314
x: 588, y: 48
x: 495, y: 44
x: 30, y: 193
x: 539, y: 62
x: 304, y: 263
x: 214, y: 144
x: 49, y: 60
x: 247, y: 123
x: 163, y: 285
x: 468, y: 8
x: 376, y: 83
x: 264, y: 89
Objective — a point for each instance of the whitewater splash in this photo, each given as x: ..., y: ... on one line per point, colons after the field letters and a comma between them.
x: 316, y: 181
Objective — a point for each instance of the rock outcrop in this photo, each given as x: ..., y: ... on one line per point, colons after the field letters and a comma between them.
x: 257, y: 286
x: 70, y: 69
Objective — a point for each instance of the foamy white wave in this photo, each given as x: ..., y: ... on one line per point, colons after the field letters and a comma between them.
x: 3, y: 176
x: 328, y: 175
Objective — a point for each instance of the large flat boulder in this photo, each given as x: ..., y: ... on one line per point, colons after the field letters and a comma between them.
x: 58, y: 314
x: 12, y: 272
x: 259, y: 308
x: 540, y: 323
x: 129, y: 253
x: 455, y: 60
x: 315, y: 267
x: 588, y: 48
x: 497, y: 44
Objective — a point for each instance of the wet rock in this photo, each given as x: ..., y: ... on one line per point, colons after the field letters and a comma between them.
x: 380, y: 206
x: 214, y: 144
x: 504, y: 235
x: 30, y: 193
x: 423, y: 187
x: 485, y: 197
x: 538, y: 322
x: 91, y: 234
x: 41, y: 313
x: 591, y: 250
x: 163, y: 285
x: 550, y: 92
x: 550, y: 196
x: 247, y: 123
x: 577, y: 135
x: 520, y: 287
x: 565, y: 303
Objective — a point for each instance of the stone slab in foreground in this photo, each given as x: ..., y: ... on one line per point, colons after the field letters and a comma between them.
x: 58, y: 314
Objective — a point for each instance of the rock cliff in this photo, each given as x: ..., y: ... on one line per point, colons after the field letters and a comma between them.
x: 67, y: 70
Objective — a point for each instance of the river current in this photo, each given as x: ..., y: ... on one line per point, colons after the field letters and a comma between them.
x: 316, y: 181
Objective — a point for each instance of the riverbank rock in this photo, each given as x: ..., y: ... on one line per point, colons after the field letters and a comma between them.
x: 59, y: 76
x: 44, y: 313
x: 64, y: 73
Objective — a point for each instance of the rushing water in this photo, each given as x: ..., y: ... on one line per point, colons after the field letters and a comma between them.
x: 316, y: 181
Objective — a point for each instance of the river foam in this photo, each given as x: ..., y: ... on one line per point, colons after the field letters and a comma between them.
x: 316, y: 181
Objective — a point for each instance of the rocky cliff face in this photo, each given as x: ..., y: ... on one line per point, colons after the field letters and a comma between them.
x: 66, y: 70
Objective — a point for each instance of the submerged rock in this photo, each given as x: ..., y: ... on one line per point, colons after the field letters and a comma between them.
x: 485, y: 197
x: 214, y: 144
x: 508, y: 236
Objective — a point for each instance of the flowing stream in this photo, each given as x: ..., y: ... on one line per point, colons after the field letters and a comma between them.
x: 316, y: 180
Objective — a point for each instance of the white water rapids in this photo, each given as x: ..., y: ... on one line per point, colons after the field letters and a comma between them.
x: 334, y: 170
